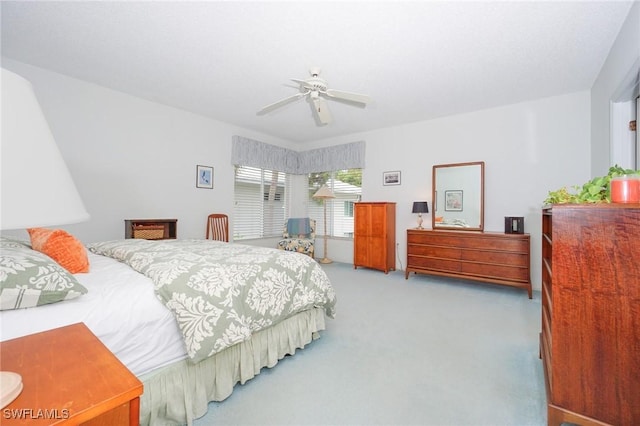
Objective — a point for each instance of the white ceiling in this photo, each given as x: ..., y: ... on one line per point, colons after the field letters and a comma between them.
x: 228, y: 59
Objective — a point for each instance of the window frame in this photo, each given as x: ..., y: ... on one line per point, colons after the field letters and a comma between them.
x: 254, y: 216
x: 338, y: 227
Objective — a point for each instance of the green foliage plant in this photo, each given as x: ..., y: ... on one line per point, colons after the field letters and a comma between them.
x: 597, y: 190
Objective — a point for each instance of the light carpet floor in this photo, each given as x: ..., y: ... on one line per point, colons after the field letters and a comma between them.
x: 422, y: 351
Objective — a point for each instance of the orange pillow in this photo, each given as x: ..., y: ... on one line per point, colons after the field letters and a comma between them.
x: 62, y: 247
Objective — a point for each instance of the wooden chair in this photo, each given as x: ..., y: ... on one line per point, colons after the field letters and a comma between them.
x: 218, y: 227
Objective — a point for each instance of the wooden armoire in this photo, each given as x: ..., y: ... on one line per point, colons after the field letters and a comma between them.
x: 590, y: 340
x: 374, y: 239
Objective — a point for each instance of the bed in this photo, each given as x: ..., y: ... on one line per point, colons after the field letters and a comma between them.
x: 190, y: 318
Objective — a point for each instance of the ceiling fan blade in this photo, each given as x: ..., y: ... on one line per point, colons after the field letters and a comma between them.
x: 281, y: 102
x: 321, y: 110
x: 348, y: 96
x: 302, y: 83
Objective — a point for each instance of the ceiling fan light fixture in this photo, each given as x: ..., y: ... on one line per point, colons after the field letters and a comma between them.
x: 321, y: 110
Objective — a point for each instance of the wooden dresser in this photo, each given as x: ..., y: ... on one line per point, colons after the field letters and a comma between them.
x: 374, y: 239
x: 590, y: 340
x: 481, y: 256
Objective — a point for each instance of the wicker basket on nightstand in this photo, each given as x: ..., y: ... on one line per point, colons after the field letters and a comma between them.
x: 148, y: 232
x: 151, y: 229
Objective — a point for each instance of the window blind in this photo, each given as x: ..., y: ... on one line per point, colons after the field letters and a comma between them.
x: 259, y: 203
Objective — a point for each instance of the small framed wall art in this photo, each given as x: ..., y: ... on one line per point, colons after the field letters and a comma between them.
x: 391, y: 178
x: 453, y: 201
x: 204, y: 177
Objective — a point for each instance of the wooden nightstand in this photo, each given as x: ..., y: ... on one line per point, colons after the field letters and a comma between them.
x: 69, y: 377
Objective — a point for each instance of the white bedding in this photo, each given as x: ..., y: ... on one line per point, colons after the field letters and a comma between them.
x: 122, y: 310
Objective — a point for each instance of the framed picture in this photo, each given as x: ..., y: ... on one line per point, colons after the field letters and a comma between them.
x: 453, y: 201
x: 204, y: 177
x: 391, y: 178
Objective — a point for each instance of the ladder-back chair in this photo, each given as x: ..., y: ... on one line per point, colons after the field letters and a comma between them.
x: 218, y: 227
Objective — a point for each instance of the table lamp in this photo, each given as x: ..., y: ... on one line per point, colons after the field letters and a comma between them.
x: 420, y: 207
x: 35, y: 185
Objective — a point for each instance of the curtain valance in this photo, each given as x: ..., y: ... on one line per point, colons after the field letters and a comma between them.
x: 252, y: 153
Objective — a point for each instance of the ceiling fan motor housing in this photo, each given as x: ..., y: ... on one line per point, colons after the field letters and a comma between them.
x: 315, y: 83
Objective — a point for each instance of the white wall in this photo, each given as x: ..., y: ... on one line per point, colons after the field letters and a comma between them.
x: 617, y: 76
x: 132, y: 158
x: 528, y: 150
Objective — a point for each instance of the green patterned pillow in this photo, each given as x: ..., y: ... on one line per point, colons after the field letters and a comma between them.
x: 29, y: 278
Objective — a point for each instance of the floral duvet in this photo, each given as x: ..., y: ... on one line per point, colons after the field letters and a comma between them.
x: 221, y: 293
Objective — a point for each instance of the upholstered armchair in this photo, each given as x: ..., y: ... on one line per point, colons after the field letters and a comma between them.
x: 300, y: 242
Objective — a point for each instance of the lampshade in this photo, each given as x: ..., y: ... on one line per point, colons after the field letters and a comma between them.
x: 36, y: 186
x: 324, y: 192
x: 420, y: 207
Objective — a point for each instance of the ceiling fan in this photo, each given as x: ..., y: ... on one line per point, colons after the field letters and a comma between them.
x: 315, y: 89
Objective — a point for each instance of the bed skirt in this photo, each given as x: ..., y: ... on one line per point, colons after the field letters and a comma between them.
x: 179, y: 393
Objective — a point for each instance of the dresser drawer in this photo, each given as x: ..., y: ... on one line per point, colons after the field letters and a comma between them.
x: 545, y: 354
x: 434, y: 251
x: 546, y: 343
x: 546, y: 295
x: 546, y: 324
x: 430, y: 239
x: 496, y: 257
x: 506, y: 242
x: 498, y: 272
x: 422, y: 237
x: 519, y: 245
x: 434, y: 263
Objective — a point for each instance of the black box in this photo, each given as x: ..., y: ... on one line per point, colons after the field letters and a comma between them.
x: 513, y: 225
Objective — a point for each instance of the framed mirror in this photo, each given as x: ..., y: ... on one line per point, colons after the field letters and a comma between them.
x: 458, y: 196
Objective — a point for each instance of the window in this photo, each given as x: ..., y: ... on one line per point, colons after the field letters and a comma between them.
x: 346, y: 186
x: 348, y: 208
x: 259, y: 209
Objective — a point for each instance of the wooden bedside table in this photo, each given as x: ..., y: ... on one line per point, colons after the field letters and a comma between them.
x: 69, y: 377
